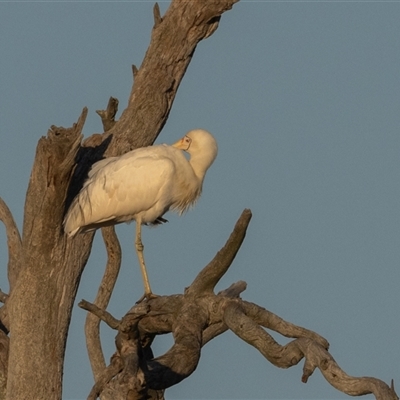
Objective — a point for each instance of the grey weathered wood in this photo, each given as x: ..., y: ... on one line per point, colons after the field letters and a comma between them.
x: 195, y: 318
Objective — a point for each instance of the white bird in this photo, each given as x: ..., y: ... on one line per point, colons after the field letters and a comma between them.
x: 142, y: 185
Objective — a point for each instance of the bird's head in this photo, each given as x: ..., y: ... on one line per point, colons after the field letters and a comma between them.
x: 198, y: 142
x: 203, y: 150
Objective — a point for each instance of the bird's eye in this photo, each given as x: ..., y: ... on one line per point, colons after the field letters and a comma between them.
x: 188, y: 141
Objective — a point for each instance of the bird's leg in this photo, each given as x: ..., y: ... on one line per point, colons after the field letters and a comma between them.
x: 139, y: 251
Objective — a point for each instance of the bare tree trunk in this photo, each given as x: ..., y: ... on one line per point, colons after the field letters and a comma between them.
x: 46, y: 266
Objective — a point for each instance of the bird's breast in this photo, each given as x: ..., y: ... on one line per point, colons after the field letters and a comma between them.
x: 186, y: 195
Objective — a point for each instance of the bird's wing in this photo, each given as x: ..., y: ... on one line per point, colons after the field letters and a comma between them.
x: 133, y: 184
x: 149, y: 151
x: 100, y: 164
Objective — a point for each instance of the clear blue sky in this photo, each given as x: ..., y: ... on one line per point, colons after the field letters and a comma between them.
x: 303, y: 98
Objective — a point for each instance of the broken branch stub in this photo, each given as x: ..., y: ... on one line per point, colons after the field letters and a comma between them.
x: 209, y: 276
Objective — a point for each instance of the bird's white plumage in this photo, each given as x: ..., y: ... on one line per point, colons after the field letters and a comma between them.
x: 142, y: 185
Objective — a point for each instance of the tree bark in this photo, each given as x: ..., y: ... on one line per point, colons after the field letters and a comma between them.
x: 45, y: 274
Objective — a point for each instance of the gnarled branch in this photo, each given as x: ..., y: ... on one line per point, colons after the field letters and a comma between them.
x: 199, y: 315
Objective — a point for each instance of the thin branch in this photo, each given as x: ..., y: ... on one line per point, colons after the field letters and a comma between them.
x: 13, y: 242
x: 102, y: 314
x: 92, y: 325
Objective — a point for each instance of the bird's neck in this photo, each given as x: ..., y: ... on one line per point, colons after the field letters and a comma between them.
x: 200, y: 164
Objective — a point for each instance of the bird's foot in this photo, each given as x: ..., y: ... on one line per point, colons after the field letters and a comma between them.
x: 147, y: 296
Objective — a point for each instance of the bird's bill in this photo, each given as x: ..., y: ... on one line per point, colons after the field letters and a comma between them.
x: 183, y: 143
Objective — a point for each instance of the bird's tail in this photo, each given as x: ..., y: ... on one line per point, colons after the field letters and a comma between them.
x: 74, y: 220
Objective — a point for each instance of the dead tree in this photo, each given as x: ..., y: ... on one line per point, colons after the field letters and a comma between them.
x: 45, y: 267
